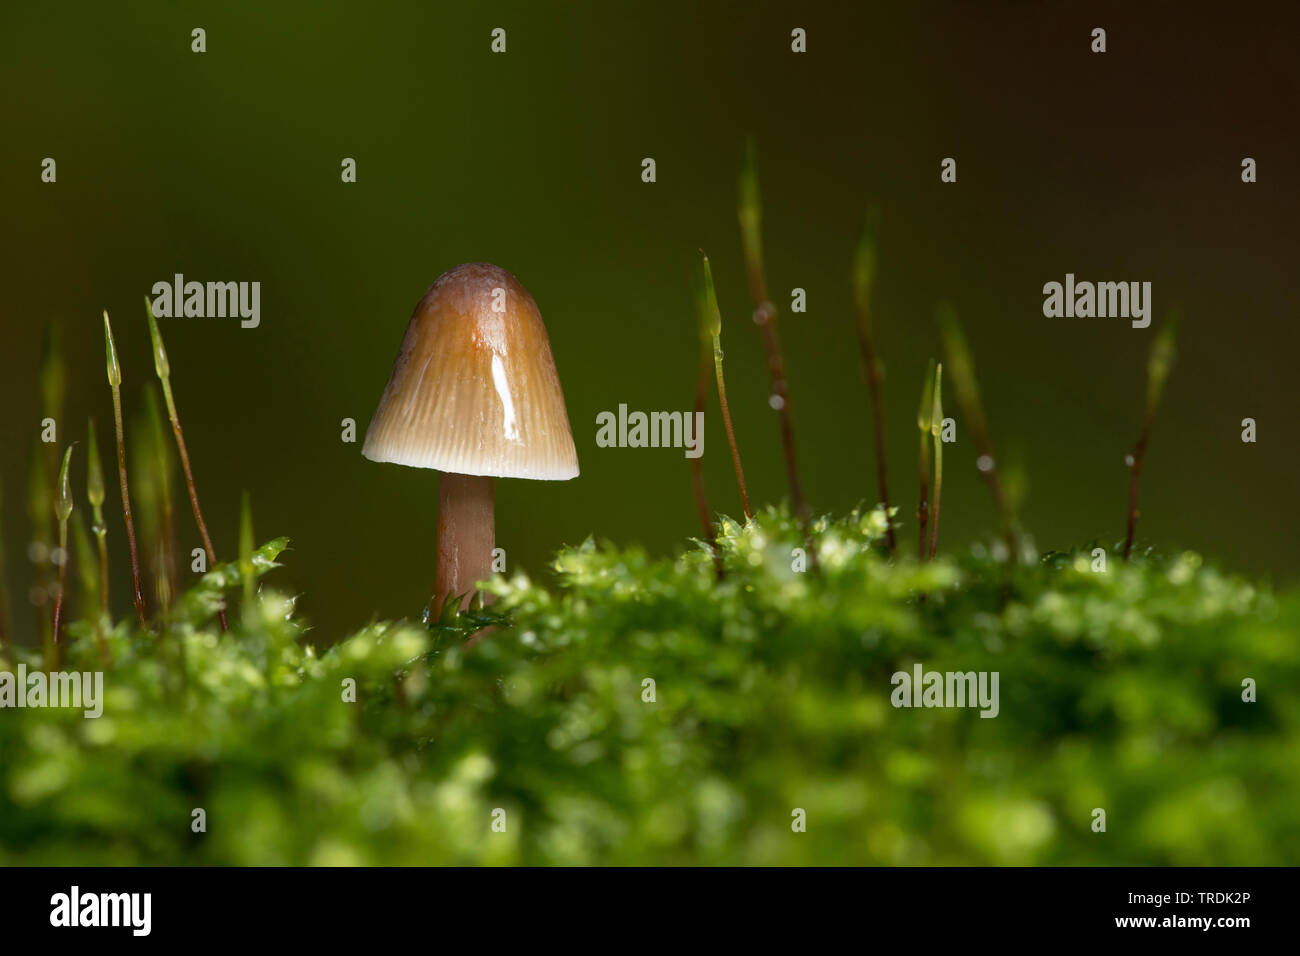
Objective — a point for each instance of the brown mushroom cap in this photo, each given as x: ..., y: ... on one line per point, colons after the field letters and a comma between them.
x: 475, y: 391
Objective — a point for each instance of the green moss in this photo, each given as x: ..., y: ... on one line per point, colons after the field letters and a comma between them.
x: 1119, y: 690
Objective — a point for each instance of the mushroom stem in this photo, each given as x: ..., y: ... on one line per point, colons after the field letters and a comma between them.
x: 466, y: 535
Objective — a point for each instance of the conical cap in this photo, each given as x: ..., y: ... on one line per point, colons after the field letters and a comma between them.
x: 474, y: 389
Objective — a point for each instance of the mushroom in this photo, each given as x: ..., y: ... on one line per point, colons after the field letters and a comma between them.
x: 474, y: 393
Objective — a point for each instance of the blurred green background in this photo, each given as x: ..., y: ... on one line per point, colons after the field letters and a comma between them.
x: 225, y: 166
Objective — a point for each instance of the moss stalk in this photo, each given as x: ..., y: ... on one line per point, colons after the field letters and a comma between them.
x: 936, y: 429
x: 163, y: 368
x: 751, y: 232
x: 1159, y: 363
x: 115, y: 381
x: 864, y: 274
x: 961, y: 369
x: 62, y: 512
x: 711, y: 319
x: 923, y: 415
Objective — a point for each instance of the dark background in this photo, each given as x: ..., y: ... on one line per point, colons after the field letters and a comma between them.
x: 225, y: 166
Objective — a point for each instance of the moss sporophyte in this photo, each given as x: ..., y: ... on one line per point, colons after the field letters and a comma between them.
x: 750, y: 213
x: 710, y: 319
x: 163, y: 369
x: 63, y: 511
x: 864, y: 277
x: 115, y: 383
